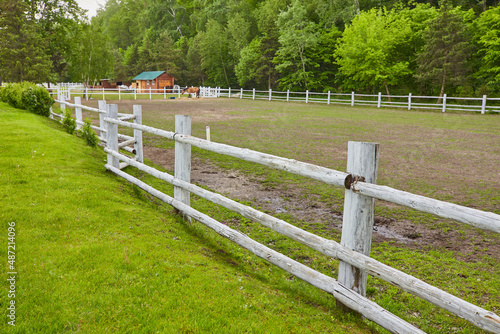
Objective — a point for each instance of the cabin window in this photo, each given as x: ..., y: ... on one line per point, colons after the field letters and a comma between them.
x: 147, y: 82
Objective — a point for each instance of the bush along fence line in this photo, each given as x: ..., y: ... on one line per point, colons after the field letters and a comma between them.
x: 445, y: 103
x: 353, y: 250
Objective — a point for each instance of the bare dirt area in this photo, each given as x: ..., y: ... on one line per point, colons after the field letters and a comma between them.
x: 439, y: 161
x: 277, y: 200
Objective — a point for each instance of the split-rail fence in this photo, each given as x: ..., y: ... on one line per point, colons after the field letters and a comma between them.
x: 353, y: 250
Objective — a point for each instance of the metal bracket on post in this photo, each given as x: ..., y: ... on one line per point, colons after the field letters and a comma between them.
x: 182, y: 159
x: 358, y: 218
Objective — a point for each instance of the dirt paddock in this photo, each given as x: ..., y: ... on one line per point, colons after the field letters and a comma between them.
x: 457, y: 160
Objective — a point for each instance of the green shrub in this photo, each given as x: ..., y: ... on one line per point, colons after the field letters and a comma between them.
x: 37, y: 100
x: 89, y: 134
x: 28, y: 96
x: 69, y: 122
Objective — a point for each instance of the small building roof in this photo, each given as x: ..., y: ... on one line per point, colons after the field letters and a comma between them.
x: 149, y: 75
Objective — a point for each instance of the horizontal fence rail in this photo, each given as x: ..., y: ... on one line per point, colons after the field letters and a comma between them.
x: 354, y: 184
x: 445, y: 103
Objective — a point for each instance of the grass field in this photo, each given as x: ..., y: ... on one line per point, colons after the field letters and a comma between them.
x: 95, y: 255
x: 442, y: 156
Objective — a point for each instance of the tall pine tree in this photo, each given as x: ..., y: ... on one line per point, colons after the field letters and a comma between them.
x: 443, y: 60
x: 22, y: 50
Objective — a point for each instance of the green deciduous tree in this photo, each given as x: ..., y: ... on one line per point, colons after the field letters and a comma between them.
x: 297, y: 35
x: 368, y: 50
x: 488, y: 39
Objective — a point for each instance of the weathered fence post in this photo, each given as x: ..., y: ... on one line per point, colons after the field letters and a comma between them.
x: 328, y: 101
x: 78, y: 112
x: 270, y: 94
x: 444, y: 102
x: 208, y: 132
x: 135, y: 93
x: 241, y: 93
x: 139, y: 155
x: 62, y: 104
x: 103, y: 97
x: 379, y: 102
x: 150, y: 93
x: 307, y: 95
x: 287, y: 95
x: 409, y: 101
x: 357, y: 224
x: 164, y: 93
x: 352, y: 99
x: 182, y: 158
x: 112, y: 135
x: 102, y: 124
x: 229, y: 93
x: 483, y: 106
x: 253, y: 94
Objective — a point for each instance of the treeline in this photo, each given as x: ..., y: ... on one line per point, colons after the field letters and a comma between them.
x: 321, y: 45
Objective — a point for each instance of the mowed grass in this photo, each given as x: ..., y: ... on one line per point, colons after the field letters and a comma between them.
x: 96, y: 255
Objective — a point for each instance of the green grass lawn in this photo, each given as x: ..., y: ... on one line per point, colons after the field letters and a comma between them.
x: 96, y: 255
x: 415, y: 147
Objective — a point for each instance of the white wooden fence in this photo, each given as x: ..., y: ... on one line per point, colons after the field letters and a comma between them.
x: 353, y: 251
x: 448, y: 103
x: 69, y: 92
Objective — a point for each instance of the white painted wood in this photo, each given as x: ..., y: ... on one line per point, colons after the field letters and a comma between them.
x: 481, y: 219
x: 479, y: 317
x: 127, y: 118
x: 359, y: 212
x: 78, y: 112
x: 352, y: 99
x: 270, y: 94
x: 446, y: 210
x: 112, y: 135
x: 364, y: 306
x: 208, y: 132
x: 307, y: 96
x: 119, y: 94
x: 138, y: 146
x: 287, y: 95
x: 241, y: 93
x: 328, y: 100
x: 379, y: 101
x: 483, y: 105
x: 229, y: 93
x: 182, y: 158
x: 135, y: 93
x: 444, y: 102
x: 123, y: 165
x: 409, y: 101
x: 102, y: 124
x: 126, y: 143
x: 103, y: 94
x: 253, y: 94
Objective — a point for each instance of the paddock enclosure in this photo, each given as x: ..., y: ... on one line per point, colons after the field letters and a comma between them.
x: 421, y: 152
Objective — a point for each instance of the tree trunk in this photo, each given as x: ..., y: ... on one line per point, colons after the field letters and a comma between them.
x: 443, y: 83
x: 387, y: 91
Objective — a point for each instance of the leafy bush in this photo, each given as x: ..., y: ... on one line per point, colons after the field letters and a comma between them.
x: 89, y: 134
x: 69, y: 122
x: 28, y: 96
x: 37, y: 100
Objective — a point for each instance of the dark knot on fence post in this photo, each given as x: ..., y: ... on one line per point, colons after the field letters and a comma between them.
x: 351, y: 178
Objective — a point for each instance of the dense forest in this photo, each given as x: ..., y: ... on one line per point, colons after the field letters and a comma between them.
x: 391, y: 46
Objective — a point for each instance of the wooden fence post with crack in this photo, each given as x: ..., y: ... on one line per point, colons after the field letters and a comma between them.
x: 112, y: 135
x: 357, y: 224
x: 182, y: 159
x: 139, y: 155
